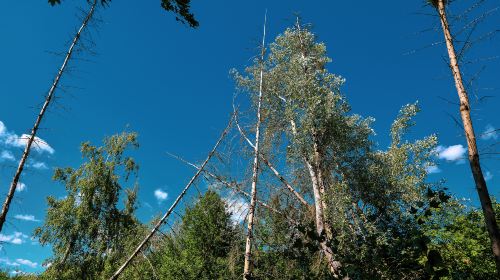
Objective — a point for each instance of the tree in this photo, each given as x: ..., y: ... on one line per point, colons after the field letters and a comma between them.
x: 181, y: 8
x: 363, y: 197
x: 457, y: 232
x: 206, y: 243
x: 87, y: 229
x: 475, y: 165
x: 247, y: 269
x: 48, y: 99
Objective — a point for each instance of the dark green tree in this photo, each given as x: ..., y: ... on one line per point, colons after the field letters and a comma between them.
x: 206, y: 244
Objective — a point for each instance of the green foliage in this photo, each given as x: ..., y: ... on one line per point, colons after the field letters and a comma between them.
x: 369, y: 193
x: 86, y: 229
x: 205, y: 244
x: 459, y: 236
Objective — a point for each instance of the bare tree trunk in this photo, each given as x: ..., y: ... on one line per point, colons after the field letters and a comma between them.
x: 247, y: 269
x: 17, y: 175
x: 482, y: 189
x: 271, y: 167
x: 171, y: 209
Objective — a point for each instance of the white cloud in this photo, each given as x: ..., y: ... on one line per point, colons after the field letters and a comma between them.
x: 7, y: 155
x: 39, y: 165
x: 432, y: 169
x: 238, y: 207
x: 488, y: 176
x: 11, y: 139
x: 8, y: 262
x: 38, y: 145
x: 16, y: 238
x: 3, y: 129
x: 20, y: 187
x: 30, y: 218
x: 489, y: 133
x: 161, y: 195
x: 27, y: 263
x: 451, y: 153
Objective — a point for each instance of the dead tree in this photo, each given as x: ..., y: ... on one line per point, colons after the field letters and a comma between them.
x: 481, y: 187
x: 172, y: 207
x: 247, y: 269
x: 48, y: 99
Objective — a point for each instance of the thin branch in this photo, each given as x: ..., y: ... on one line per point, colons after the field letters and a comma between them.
x: 171, y: 209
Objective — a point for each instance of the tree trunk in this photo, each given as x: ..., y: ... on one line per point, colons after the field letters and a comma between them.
x: 17, y: 175
x: 247, y: 270
x: 482, y: 190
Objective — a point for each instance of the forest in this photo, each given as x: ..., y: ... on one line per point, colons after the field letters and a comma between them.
x: 291, y: 180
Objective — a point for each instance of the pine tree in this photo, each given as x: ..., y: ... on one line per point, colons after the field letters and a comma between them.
x: 206, y: 244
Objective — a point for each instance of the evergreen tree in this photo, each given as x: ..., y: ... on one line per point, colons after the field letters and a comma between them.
x: 206, y: 244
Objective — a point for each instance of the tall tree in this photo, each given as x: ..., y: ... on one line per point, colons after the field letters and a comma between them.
x: 87, y: 228
x: 363, y: 196
x: 473, y: 154
x: 247, y: 269
x: 50, y: 95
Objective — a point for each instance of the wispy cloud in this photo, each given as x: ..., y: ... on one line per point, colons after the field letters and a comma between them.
x: 8, y: 262
x: 3, y: 129
x: 451, y: 153
x: 238, y: 208
x: 27, y: 263
x: 11, y: 139
x: 18, y: 262
x: 7, y: 155
x: 38, y: 145
x: 16, y: 238
x: 39, y: 165
x: 432, y: 169
x: 29, y: 218
x: 489, y: 133
x: 488, y: 176
x: 20, y: 187
x: 160, y: 195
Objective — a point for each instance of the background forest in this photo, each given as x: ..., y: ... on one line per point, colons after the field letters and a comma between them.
x: 309, y: 173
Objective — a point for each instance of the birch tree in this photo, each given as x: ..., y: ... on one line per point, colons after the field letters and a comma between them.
x: 360, y: 193
x: 470, y: 137
x: 87, y: 229
x: 247, y: 269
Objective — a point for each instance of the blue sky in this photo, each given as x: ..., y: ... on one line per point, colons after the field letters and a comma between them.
x: 171, y: 84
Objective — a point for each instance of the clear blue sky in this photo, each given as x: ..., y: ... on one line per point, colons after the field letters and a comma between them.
x: 171, y: 85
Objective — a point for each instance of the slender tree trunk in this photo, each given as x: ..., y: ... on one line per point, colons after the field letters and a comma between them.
x: 171, y: 209
x: 275, y: 172
x: 482, y: 189
x: 34, y: 130
x: 247, y: 269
